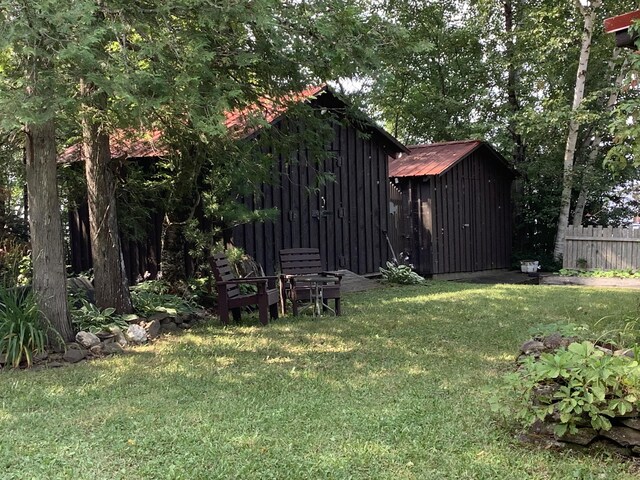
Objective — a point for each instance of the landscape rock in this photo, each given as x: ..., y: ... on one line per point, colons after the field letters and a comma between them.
x: 178, y: 320
x: 87, y: 339
x: 532, y: 346
x: 97, y: 349
x: 555, y: 341
x: 632, y: 423
x: 584, y: 436
x: 170, y: 327
x: 606, y: 351
x: 136, y: 334
x: 625, y: 436
x: 40, y: 357
x: 132, y: 319
x: 184, y: 326
x: 161, y: 317
x: 119, y: 336
x: 624, y: 352
x: 112, y: 348
x: 74, y: 355
x: 153, y: 329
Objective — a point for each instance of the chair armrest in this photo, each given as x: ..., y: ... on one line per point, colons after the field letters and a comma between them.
x: 255, y: 280
x: 338, y: 276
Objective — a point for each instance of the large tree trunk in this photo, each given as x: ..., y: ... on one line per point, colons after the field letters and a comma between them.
x: 47, y: 247
x: 578, y: 212
x: 589, y: 14
x: 112, y: 287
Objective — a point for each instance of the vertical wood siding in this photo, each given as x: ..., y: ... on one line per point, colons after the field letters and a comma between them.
x: 345, y: 219
x: 461, y: 221
x: 603, y: 248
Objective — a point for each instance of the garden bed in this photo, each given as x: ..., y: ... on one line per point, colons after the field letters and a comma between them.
x: 590, y: 281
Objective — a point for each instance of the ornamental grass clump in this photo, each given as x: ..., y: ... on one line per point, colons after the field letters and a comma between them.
x: 22, y: 333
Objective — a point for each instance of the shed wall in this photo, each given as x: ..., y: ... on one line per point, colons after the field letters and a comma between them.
x: 344, y: 218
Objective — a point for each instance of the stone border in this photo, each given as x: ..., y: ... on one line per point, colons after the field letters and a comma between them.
x: 590, y: 281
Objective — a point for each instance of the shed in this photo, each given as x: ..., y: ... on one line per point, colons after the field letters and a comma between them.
x: 345, y: 218
x: 457, y: 202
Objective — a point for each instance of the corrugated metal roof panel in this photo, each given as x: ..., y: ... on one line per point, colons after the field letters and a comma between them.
x: 431, y: 159
x: 124, y: 144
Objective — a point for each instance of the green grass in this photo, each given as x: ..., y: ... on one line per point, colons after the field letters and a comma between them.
x: 396, y: 388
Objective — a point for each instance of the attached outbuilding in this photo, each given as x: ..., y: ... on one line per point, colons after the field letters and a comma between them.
x: 456, y: 203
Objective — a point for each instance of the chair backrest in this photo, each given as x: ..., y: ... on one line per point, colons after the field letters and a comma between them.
x: 223, y: 272
x: 300, y: 261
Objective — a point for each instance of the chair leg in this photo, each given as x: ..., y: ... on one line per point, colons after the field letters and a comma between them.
x: 263, y: 308
x: 224, y: 316
x: 294, y: 303
x: 236, y: 314
x: 273, y: 311
x: 337, y: 307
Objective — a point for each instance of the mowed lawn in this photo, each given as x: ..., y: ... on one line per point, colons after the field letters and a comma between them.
x: 396, y: 388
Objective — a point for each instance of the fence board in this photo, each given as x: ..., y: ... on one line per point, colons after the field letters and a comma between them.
x: 604, y: 248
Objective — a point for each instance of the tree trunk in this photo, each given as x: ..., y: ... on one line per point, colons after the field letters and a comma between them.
x: 112, y: 287
x: 47, y: 247
x: 589, y: 14
x: 578, y: 213
x: 512, y: 83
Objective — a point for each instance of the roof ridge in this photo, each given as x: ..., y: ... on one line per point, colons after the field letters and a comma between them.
x: 452, y: 142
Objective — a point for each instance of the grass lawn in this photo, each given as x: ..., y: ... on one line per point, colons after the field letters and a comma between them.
x: 396, y: 388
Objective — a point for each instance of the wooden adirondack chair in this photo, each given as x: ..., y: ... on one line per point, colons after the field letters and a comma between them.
x: 300, y: 262
x: 230, y: 298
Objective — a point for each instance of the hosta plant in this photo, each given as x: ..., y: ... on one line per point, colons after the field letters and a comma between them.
x: 89, y: 318
x: 577, y: 386
x: 401, y: 274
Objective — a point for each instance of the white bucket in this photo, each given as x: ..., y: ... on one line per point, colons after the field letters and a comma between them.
x: 529, y: 266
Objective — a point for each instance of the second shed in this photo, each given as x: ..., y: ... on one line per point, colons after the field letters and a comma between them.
x: 456, y: 202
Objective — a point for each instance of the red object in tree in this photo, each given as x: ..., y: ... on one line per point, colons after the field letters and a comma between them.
x: 620, y: 26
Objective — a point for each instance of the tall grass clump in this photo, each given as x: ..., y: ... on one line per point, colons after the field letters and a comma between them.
x: 22, y: 333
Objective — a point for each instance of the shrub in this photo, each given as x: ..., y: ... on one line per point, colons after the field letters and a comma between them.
x: 401, y: 274
x: 153, y: 297
x: 575, y: 386
x: 22, y: 332
x: 90, y: 318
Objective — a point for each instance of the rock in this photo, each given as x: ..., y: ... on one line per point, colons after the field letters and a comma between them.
x: 636, y: 451
x: 584, y: 436
x: 119, y: 336
x: 554, y: 341
x: 170, y: 327
x: 136, y: 334
x: 97, y: 349
x: 153, y: 329
x: 161, y: 317
x: 55, y: 364
x: 87, y: 339
x: 632, y: 423
x: 178, y: 320
x: 184, y: 326
x: 544, y: 391
x: 626, y: 352
x: 112, y: 348
x: 104, y: 336
x: 605, y: 350
x: 132, y: 318
x: 74, y: 355
x: 40, y: 357
x: 625, y: 436
x: 532, y: 346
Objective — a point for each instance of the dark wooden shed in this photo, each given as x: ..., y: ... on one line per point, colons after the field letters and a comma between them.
x: 345, y: 218
x: 457, y: 202
x: 620, y: 25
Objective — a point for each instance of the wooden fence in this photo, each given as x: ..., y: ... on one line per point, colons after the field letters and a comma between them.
x: 606, y: 248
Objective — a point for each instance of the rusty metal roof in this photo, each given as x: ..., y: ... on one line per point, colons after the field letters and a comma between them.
x: 242, y: 123
x: 124, y: 144
x: 431, y: 159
